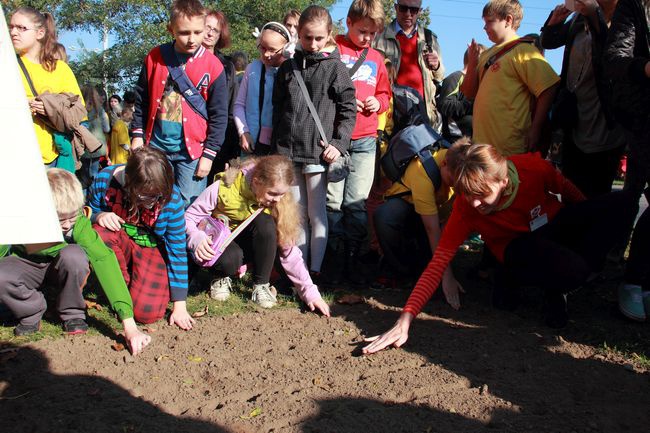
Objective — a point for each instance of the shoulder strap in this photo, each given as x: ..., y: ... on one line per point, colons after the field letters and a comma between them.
x: 261, y: 98
x: 358, y: 63
x: 26, y: 74
x: 185, y: 85
x: 503, y: 51
x: 310, y: 104
x: 240, y: 228
x: 430, y: 166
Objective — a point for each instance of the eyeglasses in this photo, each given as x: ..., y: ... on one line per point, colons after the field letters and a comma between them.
x: 264, y: 50
x: 404, y: 8
x: 21, y: 29
x: 209, y: 30
x: 148, y: 199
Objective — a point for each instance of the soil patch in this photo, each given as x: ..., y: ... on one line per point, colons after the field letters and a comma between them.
x: 287, y: 371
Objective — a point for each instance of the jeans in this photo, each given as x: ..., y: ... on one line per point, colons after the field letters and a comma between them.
x: 346, y: 200
x: 402, y: 237
x: 190, y: 186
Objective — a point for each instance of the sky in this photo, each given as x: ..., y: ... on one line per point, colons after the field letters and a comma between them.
x: 455, y: 22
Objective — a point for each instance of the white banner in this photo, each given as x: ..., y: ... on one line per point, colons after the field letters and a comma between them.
x: 27, y: 214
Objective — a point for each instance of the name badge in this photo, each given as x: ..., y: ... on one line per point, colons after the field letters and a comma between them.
x: 538, y: 222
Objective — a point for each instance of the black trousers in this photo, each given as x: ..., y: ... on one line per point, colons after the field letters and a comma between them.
x: 560, y: 256
x: 257, y: 244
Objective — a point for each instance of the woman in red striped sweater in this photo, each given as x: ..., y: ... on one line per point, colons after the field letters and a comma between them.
x: 512, y: 202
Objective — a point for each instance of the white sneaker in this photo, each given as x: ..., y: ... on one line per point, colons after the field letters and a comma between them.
x: 220, y: 288
x: 265, y: 295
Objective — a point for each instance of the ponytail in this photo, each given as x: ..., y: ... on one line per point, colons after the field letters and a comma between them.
x: 49, y: 52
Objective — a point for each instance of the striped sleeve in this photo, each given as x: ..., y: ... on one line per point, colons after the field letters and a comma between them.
x: 429, y: 280
x: 98, y: 192
x: 174, y: 237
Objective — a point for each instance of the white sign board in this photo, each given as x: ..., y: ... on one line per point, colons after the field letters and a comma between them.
x: 27, y: 214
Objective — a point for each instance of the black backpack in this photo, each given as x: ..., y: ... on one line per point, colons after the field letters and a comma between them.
x: 414, y: 141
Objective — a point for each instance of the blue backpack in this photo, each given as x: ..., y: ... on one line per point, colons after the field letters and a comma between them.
x: 414, y: 141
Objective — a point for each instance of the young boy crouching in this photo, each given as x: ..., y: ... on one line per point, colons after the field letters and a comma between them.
x: 65, y: 266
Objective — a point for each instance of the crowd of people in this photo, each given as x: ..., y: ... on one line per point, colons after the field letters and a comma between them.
x: 348, y: 158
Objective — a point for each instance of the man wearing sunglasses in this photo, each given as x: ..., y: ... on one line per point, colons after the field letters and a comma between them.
x: 415, y: 52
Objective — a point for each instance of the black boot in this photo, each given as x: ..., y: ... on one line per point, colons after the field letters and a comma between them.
x: 334, y: 263
x: 355, y: 270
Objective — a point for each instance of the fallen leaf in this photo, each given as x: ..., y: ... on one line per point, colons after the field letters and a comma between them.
x: 195, y: 358
x: 118, y: 347
x: 201, y: 313
x: 350, y: 299
x: 95, y: 305
x: 255, y: 412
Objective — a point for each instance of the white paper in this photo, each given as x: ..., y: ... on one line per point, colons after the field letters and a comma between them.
x: 27, y: 213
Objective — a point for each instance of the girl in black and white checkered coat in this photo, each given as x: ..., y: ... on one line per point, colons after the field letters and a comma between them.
x: 294, y: 131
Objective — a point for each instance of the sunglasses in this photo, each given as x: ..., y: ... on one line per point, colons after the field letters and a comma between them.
x: 403, y: 9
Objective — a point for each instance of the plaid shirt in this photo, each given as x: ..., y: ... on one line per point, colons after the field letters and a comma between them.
x: 327, y: 79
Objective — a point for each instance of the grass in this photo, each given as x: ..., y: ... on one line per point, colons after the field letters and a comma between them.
x: 102, y: 320
x: 628, y: 351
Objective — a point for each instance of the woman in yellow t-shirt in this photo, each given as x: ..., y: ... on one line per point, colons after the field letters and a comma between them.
x: 33, y: 35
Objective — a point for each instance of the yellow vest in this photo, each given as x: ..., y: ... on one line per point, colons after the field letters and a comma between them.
x: 236, y: 201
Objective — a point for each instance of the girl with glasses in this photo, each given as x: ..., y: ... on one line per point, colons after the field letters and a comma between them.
x: 138, y: 212
x: 33, y: 35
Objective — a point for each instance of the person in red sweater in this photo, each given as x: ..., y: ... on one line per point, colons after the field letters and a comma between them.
x: 346, y: 200
x: 538, y: 239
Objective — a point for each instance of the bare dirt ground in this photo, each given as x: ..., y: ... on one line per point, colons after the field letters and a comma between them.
x: 476, y: 370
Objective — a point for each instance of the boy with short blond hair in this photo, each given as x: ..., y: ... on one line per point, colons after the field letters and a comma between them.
x: 346, y: 207
x: 65, y: 267
x: 512, y: 84
x: 185, y: 117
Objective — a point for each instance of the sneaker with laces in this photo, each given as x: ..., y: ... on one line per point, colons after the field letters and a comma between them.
x: 220, y: 288
x: 264, y: 295
x: 75, y: 326
x: 630, y: 302
x: 21, y: 329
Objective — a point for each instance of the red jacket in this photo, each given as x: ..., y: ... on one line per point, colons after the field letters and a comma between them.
x: 202, y: 138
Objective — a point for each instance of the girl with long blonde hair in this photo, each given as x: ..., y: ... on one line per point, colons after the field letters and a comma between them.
x: 236, y: 194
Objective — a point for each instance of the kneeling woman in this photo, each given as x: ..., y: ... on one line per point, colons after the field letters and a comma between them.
x: 236, y: 194
x: 138, y: 212
x: 538, y: 239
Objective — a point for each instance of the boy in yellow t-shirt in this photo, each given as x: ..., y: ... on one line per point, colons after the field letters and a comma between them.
x: 120, y: 140
x: 414, y: 212
x: 512, y: 84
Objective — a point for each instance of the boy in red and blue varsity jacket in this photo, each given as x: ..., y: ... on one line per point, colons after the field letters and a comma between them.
x: 166, y: 117
x: 346, y: 209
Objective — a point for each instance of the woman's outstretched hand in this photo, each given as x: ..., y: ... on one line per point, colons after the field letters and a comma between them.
x: 395, y: 336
